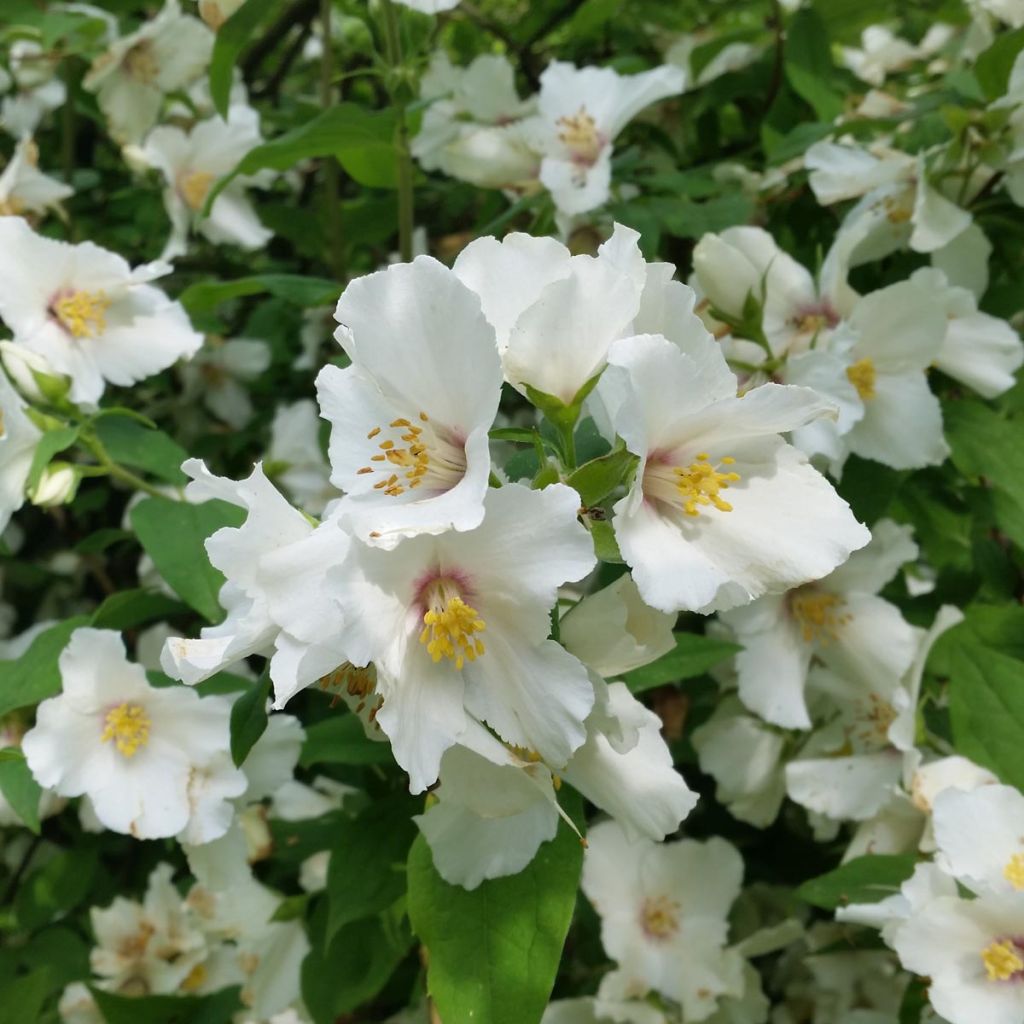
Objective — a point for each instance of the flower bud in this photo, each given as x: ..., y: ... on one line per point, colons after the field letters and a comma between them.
x: 613, y: 631
x: 726, y: 276
x: 56, y: 486
x: 32, y: 375
x: 216, y: 12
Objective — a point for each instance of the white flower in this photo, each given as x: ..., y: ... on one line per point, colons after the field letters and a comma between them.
x: 731, y: 57
x: 411, y: 415
x: 274, y: 563
x: 218, y: 374
x: 38, y: 88
x: 87, y: 312
x: 980, y: 837
x: 752, y: 786
x: 18, y: 439
x: 840, y: 620
x: 688, y: 546
x: 133, y: 76
x: 56, y: 485
x: 972, y: 952
x: 663, y: 910
x: 619, y: 1000
x: 581, y: 111
x: 881, y: 53
x: 295, y: 448
x: 23, y: 187
x: 429, y: 6
x: 979, y: 350
x: 471, y: 130
x: 150, y: 947
x: 130, y: 747
x: 457, y: 626
x: 191, y: 163
x: 613, y: 631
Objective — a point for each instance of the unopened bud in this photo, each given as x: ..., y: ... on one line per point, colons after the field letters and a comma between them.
x: 56, y: 486
x: 32, y: 375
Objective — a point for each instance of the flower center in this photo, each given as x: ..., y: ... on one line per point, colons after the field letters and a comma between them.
x: 878, y: 715
x: 690, y: 487
x: 11, y: 206
x: 659, y: 918
x: 898, y: 208
x: 580, y: 136
x: 1014, y: 871
x: 1002, y: 960
x: 862, y: 376
x: 413, y: 456
x: 450, y: 626
x: 82, y: 314
x: 818, y: 614
x: 194, y: 188
x: 127, y: 726
x: 140, y: 62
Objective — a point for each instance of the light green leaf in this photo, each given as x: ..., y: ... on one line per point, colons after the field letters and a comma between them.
x: 692, y: 656
x: 232, y: 38
x: 596, y: 479
x: 986, y: 704
x: 21, y: 791
x: 50, y: 444
x: 861, y: 880
x: 341, y: 740
x: 204, y: 296
x: 173, y: 534
x: 132, y: 444
x: 808, y: 64
x: 493, y: 953
x: 130, y: 608
x: 992, y: 68
x: 249, y: 719
x: 35, y: 675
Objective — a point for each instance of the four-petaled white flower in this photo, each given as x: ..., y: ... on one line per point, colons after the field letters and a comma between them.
x: 24, y: 188
x: 87, y: 312
x: 130, y: 747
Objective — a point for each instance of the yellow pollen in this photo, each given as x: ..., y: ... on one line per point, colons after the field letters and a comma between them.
x: 140, y: 62
x: 194, y: 187
x: 862, y: 376
x: 700, y: 484
x: 128, y: 726
x: 1002, y: 960
x: 812, y: 323
x: 450, y: 625
x: 659, y: 918
x: 412, y: 456
x: 579, y: 133
x: 195, y: 979
x: 818, y: 614
x: 83, y: 314
x: 11, y: 206
x: 1014, y: 871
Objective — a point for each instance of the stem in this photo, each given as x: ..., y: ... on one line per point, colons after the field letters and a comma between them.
x: 332, y: 181
x: 568, y: 438
x: 403, y: 159
x: 118, y: 472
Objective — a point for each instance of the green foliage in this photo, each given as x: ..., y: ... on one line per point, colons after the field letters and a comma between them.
x: 865, y: 879
x: 692, y: 656
x: 249, y: 718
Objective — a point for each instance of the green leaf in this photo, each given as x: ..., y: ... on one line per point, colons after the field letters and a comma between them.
x: 363, y: 141
x: 249, y: 719
x: 211, y: 1009
x: 24, y: 997
x: 808, y: 64
x: 366, y: 872
x: 341, y: 740
x: 232, y: 38
x: 596, y: 479
x: 130, y: 608
x: 986, y: 704
x: 693, y: 656
x: 606, y: 547
x: 204, y: 296
x: 35, y: 675
x: 60, y: 884
x: 861, y: 880
x: 21, y: 791
x: 132, y: 444
x: 50, y: 444
x: 493, y: 953
x: 173, y: 534
x: 992, y: 68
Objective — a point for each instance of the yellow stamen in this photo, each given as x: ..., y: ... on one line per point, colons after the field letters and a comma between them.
x: 700, y: 484
x: 659, y: 918
x: 194, y: 188
x: 140, y: 62
x: 11, y: 207
x: 128, y: 726
x: 862, y: 376
x: 83, y: 314
x: 1014, y: 871
x: 579, y: 133
x: 417, y: 452
x: 450, y: 625
x: 195, y: 979
x: 1002, y: 960
x: 818, y: 614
